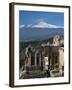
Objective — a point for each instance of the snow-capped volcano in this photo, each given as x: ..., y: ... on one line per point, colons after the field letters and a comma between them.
x: 45, y: 25
x: 41, y: 25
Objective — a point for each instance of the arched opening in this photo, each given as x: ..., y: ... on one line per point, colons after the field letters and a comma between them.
x: 32, y: 59
x: 38, y: 59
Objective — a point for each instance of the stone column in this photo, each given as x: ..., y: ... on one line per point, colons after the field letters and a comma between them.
x: 43, y: 63
x: 51, y: 60
x: 29, y: 60
x: 61, y: 59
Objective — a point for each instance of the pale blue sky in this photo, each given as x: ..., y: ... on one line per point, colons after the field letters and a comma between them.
x: 32, y: 17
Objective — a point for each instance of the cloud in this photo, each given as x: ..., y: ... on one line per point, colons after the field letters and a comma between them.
x: 26, y: 26
x: 21, y: 26
x: 29, y: 25
x: 41, y: 24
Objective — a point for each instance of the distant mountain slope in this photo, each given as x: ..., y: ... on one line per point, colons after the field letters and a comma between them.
x: 31, y: 34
